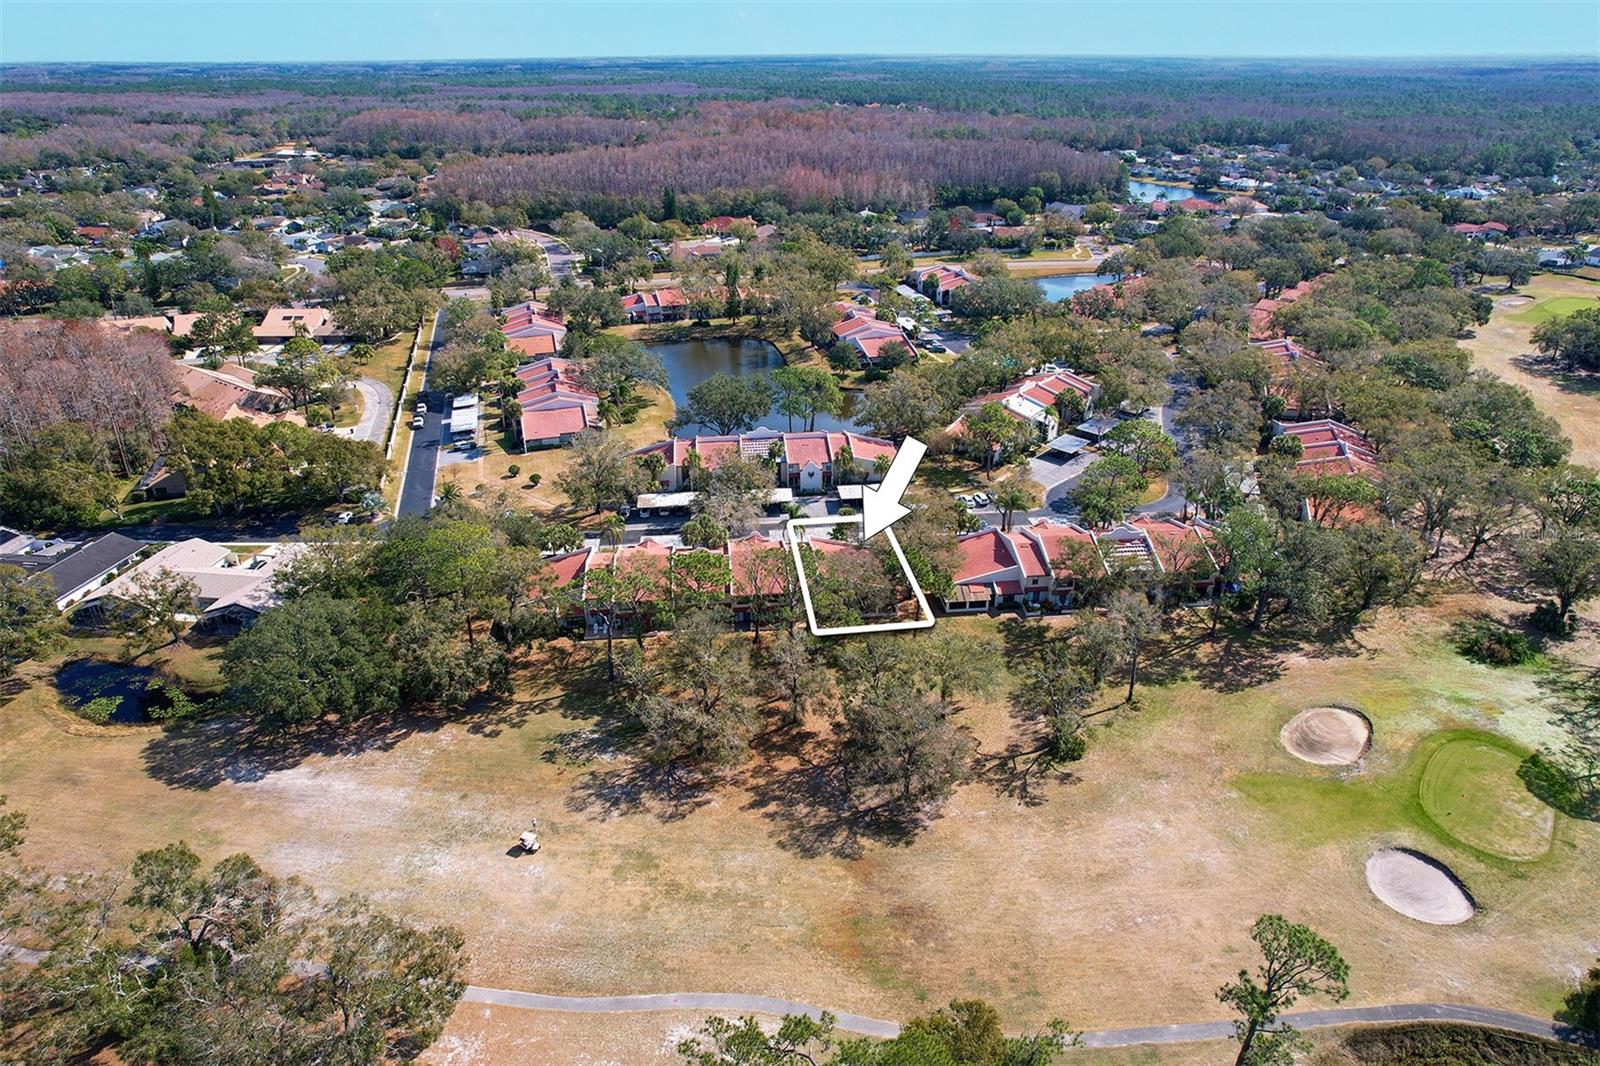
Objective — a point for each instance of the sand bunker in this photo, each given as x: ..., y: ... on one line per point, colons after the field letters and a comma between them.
x: 1418, y: 887
x: 1327, y: 736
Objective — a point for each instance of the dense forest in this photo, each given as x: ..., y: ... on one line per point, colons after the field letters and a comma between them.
x: 868, y: 132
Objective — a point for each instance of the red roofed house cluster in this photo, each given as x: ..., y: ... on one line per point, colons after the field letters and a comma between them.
x: 1034, y: 399
x: 554, y: 407
x: 531, y: 331
x: 1047, y: 563
x: 758, y: 567
x: 656, y: 305
x: 939, y: 282
x: 1329, y: 448
x: 1261, y: 325
x: 1332, y: 446
x: 867, y: 334
x: 1481, y: 230
x: 806, y: 462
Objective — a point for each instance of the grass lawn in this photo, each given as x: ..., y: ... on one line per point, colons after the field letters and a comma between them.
x: 1470, y: 788
x: 1154, y: 491
x: 1458, y: 786
x: 1503, y: 347
x: 1184, y: 822
x: 1554, y: 307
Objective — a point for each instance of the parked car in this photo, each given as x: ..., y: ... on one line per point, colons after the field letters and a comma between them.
x: 981, y: 499
x: 418, y: 422
x: 344, y: 518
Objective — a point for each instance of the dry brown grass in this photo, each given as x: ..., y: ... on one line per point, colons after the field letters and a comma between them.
x: 1122, y: 898
x: 1503, y: 347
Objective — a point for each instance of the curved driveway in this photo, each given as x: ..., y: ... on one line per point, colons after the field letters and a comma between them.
x: 377, y: 404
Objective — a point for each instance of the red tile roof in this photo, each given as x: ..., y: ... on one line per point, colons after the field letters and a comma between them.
x: 539, y: 344
x: 548, y: 425
x: 983, y: 554
x: 802, y: 448
x: 743, y: 552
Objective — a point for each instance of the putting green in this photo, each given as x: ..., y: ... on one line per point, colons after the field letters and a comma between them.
x: 1471, y: 789
x: 1554, y: 306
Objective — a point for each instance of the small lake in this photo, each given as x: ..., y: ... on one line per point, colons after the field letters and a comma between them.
x: 689, y: 363
x: 1149, y: 192
x: 82, y: 681
x: 1065, y: 286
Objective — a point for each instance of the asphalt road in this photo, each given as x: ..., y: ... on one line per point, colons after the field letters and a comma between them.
x: 422, y: 461
x: 562, y: 260
x: 377, y: 404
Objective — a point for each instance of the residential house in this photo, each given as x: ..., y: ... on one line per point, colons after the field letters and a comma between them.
x: 153, y: 323
x: 68, y: 569
x: 1262, y: 326
x: 231, y: 589
x: 701, y: 248
x: 861, y: 329
x: 1285, y: 357
x: 1481, y: 231
x: 532, y: 331
x: 655, y: 305
x: 939, y: 282
x: 230, y: 391
x: 758, y: 568
x: 726, y: 223
x: 554, y: 407
x: 1035, y: 399
x: 161, y: 482
x: 1048, y: 563
x: 281, y: 324
x: 805, y: 462
x: 1330, y: 448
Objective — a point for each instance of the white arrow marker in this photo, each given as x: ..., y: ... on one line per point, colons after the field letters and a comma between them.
x: 881, y: 507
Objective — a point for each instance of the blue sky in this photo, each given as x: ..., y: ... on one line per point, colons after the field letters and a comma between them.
x: 233, y: 31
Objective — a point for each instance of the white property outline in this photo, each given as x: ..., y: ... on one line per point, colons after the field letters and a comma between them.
x: 925, y: 622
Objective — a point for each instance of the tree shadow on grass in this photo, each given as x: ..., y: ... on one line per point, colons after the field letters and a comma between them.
x: 810, y: 806
x: 1239, y: 659
x: 201, y: 753
x: 1021, y: 770
x: 1550, y: 369
x: 232, y: 746
x: 628, y: 784
x: 1025, y: 638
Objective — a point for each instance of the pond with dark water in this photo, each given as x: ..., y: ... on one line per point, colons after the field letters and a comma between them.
x: 82, y: 681
x: 689, y: 363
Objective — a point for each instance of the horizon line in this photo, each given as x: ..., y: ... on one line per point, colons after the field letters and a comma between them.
x: 1520, y: 57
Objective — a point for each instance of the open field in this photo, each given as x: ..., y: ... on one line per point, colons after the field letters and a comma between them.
x: 1503, y: 347
x: 1185, y: 821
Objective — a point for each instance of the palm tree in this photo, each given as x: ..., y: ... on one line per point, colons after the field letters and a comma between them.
x: 612, y: 529
x: 449, y: 494
x: 1009, y: 499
